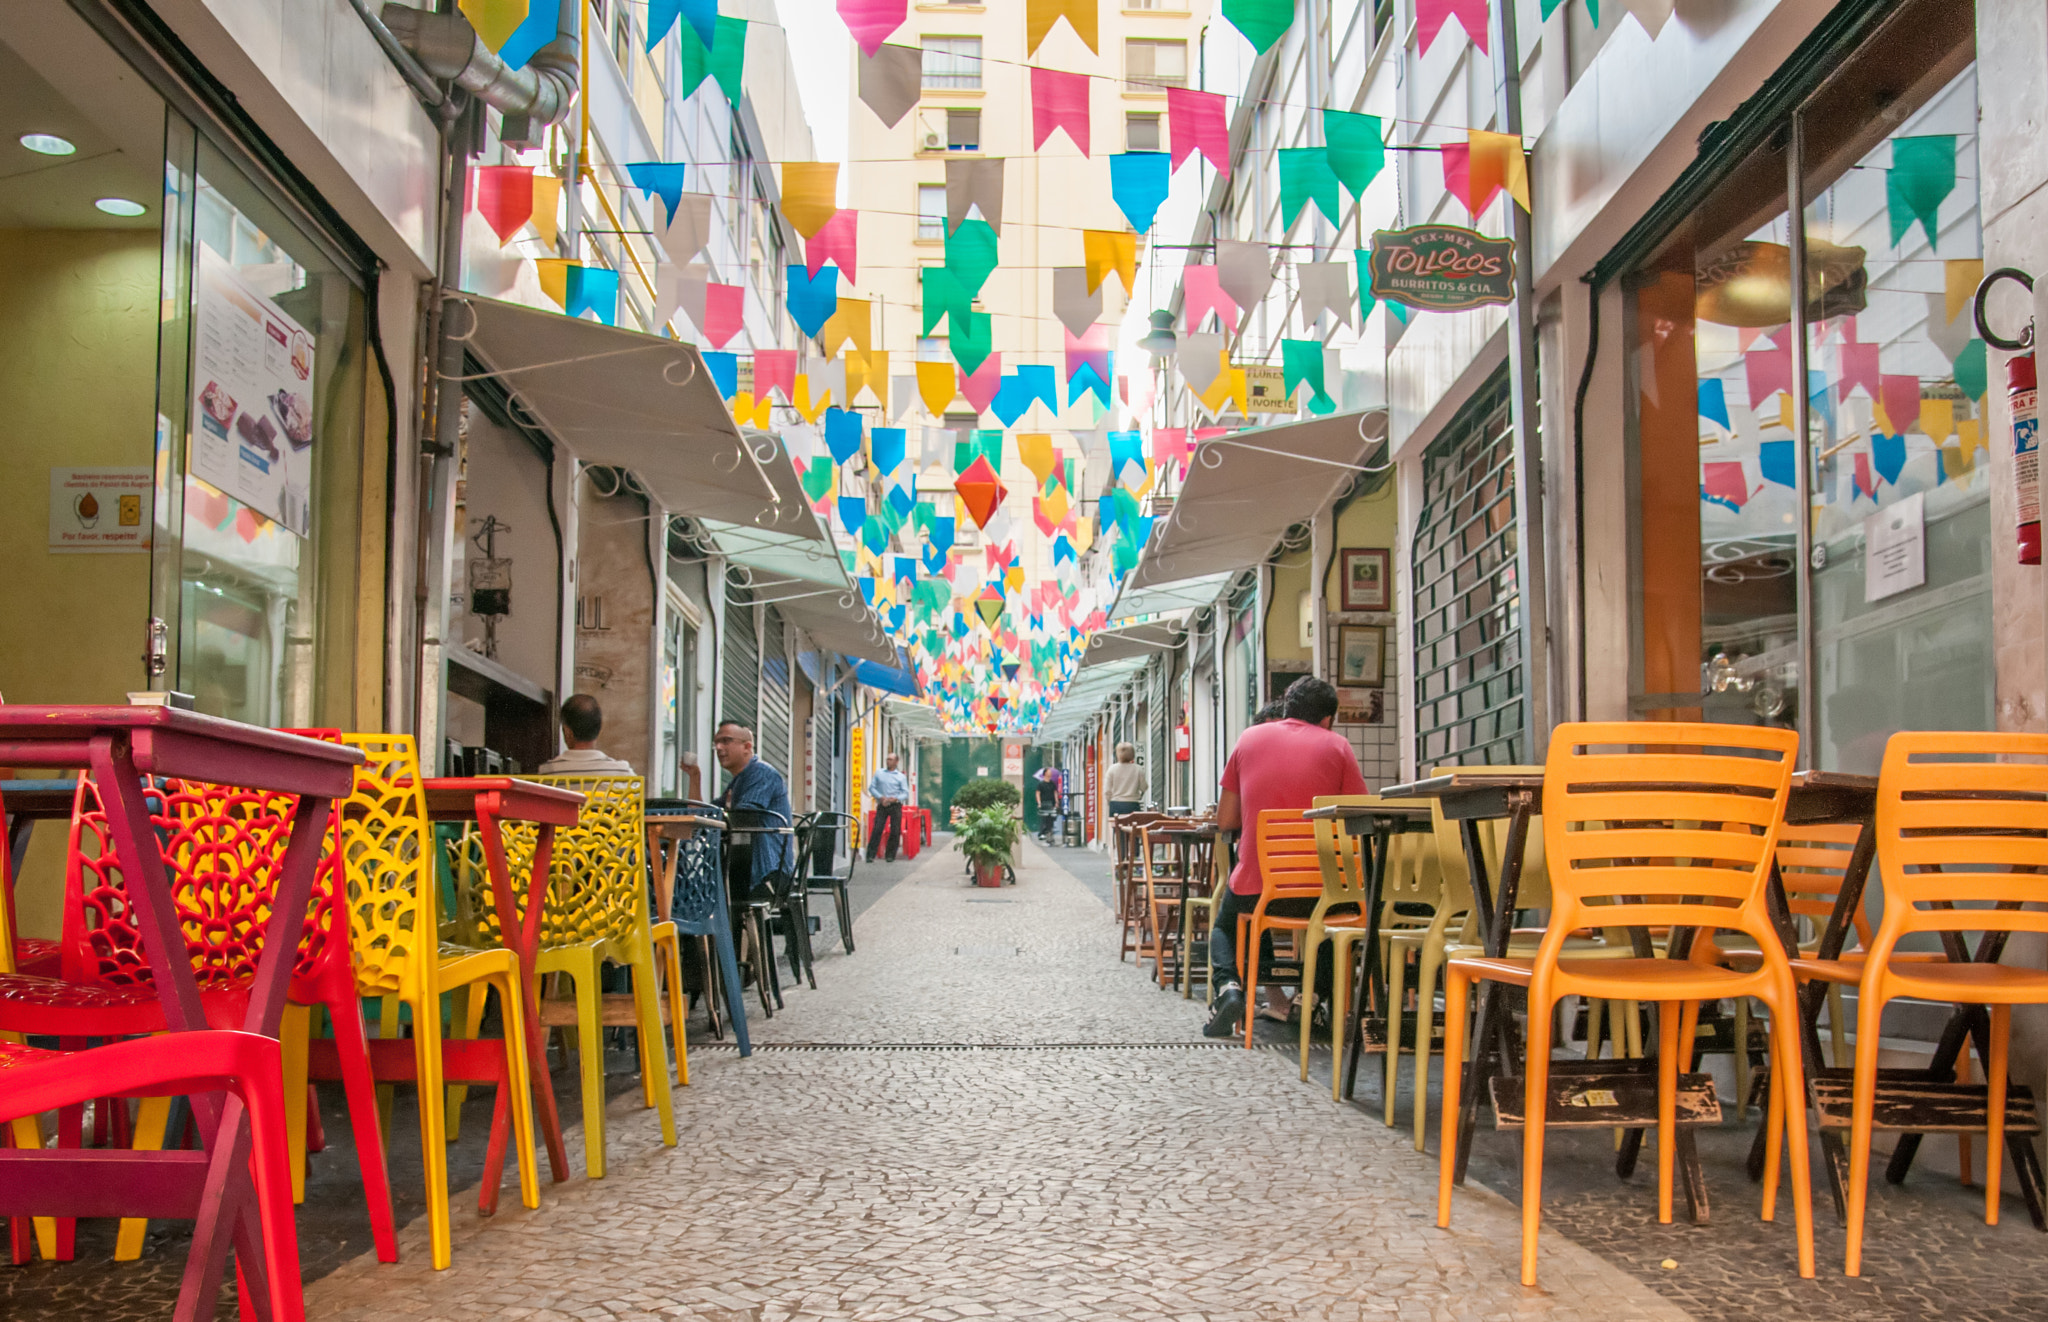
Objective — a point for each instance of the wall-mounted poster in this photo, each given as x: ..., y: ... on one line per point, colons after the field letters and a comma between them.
x: 1365, y: 580
x: 252, y: 396
x: 1361, y: 656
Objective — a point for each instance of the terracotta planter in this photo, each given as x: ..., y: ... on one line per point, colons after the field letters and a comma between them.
x: 988, y: 873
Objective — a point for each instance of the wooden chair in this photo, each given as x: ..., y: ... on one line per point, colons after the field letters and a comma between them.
x: 1206, y: 880
x: 1165, y: 889
x: 1677, y: 830
x: 1127, y: 840
x: 1962, y: 829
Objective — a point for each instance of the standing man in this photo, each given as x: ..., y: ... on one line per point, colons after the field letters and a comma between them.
x: 888, y: 789
x: 758, y: 789
x: 1284, y: 764
x: 1125, y: 783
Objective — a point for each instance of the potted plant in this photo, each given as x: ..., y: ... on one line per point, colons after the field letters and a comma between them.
x: 987, y: 836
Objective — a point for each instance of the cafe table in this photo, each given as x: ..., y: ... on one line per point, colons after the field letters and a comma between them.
x: 489, y: 802
x: 1186, y: 835
x: 1380, y: 822
x: 674, y: 824
x: 119, y: 746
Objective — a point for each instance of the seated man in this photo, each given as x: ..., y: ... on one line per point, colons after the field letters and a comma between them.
x: 582, y: 721
x: 1283, y: 764
x: 758, y: 791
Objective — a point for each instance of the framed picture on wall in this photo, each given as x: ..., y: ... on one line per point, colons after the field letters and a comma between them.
x: 1367, y: 583
x: 1361, y: 656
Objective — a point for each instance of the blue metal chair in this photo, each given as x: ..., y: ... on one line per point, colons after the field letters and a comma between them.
x: 698, y: 905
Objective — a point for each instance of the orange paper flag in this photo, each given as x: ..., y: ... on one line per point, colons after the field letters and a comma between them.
x: 810, y: 191
x: 1497, y: 162
x: 554, y: 278
x: 1035, y: 450
x: 1040, y: 15
x: 853, y: 321
x: 1103, y: 251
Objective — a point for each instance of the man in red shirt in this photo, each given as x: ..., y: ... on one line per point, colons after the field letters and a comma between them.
x: 1284, y: 764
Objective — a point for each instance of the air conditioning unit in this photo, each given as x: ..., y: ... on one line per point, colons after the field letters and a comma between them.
x: 931, y: 131
x: 933, y: 141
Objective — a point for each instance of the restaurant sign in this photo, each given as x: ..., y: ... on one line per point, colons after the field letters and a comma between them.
x: 1442, y: 268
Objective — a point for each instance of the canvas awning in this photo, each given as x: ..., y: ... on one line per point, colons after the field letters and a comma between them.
x: 1246, y: 488
x: 637, y: 401
x: 1167, y: 598
x: 1135, y: 640
x: 804, y: 580
x: 1085, y: 696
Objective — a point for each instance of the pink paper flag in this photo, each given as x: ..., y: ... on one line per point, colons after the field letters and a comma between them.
x: 871, y: 21
x: 1195, y: 121
x: 1201, y: 291
x: 1725, y: 482
x: 1866, y: 483
x: 1769, y: 371
x: 1472, y: 15
x: 725, y: 310
x: 1210, y: 433
x: 980, y: 387
x: 1169, y: 443
x: 1059, y: 101
x: 837, y: 241
x: 774, y: 369
x: 1090, y: 350
x: 1045, y: 525
x: 1859, y: 368
x: 1457, y: 161
x: 1899, y: 397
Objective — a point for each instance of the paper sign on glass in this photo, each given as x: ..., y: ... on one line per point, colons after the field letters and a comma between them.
x: 1895, y: 549
x: 252, y: 396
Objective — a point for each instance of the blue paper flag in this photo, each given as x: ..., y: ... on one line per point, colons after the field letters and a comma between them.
x: 1714, y: 401
x: 725, y: 372
x: 592, y: 289
x: 1062, y: 549
x: 896, y: 615
x: 1042, y: 383
x: 906, y: 567
x: 536, y: 30
x: 885, y: 447
x: 702, y: 16
x: 902, y: 496
x: 812, y: 302
x: 867, y: 587
x: 1087, y: 381
x: 1138, y: 181
x: 1125, y: 447
x: 1887, y: 455
x: 941, y: 535
x: 935, y: 560
x: 853, y: 512
x: 842, y: 434
x: 1012, y: 398
x: 662, y: 179
x: 1776, y: 460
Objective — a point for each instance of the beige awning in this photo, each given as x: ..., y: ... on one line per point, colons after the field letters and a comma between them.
x: 637, y: 401
x: 1246, y: 488
x: 803, y: 578
x: 1135, y: 640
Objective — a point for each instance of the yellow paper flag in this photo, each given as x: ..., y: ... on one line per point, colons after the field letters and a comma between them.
x: 867, y: 370
x: 937, y: 383
x: 1141, y: 490
x: 1228, y: 387
x: 1055, y: 506
x: 1039, y: 16
x: 809, y: 194
x: 805, y: 406
x: 1960, y: 279
x: 494, y: 20
x: 1497, y: 160
x: 554, y: 278
x: 1938, y: 418
x: 1104, y: 251
x: 547, y: 203
x: 1958, y: 460
x: 853, y: 321
x: 1015, y: 578
x: 1785, y: 415
x: 752, y: 412
x: 1035, y: 450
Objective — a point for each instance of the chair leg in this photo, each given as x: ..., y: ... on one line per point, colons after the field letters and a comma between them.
x: 293, y: 1031
x: 1425, y: 1033
x: 1308, y: 981
x: 1838, y: 1026
x: 27, y: 1132
x: 271, y: 1175
x: 1774, y: 1139
x: 653, y: 1051
x: 1535, y: 1111
x: 519, y: 1079
x: 1741, y: 1058
x: 1397, y: 976
x: 466, y: 1017
x: 1994, y: 1116
x: 1340, y: 1016
x: 1783, y: 1005
x: 152, y: 1117
x: 844, y: 908
x: 360, y: 1087
x: 1456, y: 987
x: 1671, y: 1047
x: 1248, y: 960
x: 583, y: 978
x: 1862, y: 1120
x: 426, y: 1050
x: 668, y: 956
x: 1187, y: 944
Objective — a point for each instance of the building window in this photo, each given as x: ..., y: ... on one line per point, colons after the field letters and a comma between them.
x: 963, y: 130
x: 931, y: 212
x: 934, y: 349
x: 952, y: 62
x: 1152, y: 63
x: 1141, y: 133
x: 622, y: 41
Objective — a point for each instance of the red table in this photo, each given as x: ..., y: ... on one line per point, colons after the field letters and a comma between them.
x: 490, y: 801
x: 120, y: 745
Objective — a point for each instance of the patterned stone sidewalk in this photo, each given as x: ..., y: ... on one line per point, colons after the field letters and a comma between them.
x: 983, y: 1114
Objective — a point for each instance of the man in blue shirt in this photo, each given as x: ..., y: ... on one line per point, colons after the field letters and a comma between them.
x: 758, y: 792
x: 889, y: 789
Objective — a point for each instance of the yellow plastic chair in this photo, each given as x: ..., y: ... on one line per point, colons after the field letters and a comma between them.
x: 1687, y: 815
x: 597, y: 913
x: 393, y: 905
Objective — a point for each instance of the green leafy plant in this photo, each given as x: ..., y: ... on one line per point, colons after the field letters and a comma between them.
x: 988, y: 835
x: 987, y: 792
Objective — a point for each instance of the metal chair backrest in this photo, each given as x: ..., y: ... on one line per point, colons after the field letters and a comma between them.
x: 1662, y: 824
x: 818, y: 836
x: 1962, y: 819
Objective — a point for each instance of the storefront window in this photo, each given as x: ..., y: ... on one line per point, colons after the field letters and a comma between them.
x: 1875, y: 616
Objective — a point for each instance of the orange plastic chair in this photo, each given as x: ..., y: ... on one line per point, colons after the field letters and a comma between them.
x: 1674, y: 828
x: 1958, y: 821
x: 1290, y: 867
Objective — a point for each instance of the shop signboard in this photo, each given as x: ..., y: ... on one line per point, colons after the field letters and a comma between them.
x: 1265, y: 390
x: 252, y: 396
x: 1442, y: 268
x: 1013, y: 759
x: 1088, y: 780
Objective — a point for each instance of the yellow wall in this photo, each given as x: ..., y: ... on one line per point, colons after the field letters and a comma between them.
x: 78, y: 323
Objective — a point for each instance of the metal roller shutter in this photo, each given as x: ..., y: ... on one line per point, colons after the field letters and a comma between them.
x: 776, y: 696
x: 742, y: 667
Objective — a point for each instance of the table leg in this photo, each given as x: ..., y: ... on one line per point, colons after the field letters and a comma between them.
x: 521, y: 933
x: 1370, y: 989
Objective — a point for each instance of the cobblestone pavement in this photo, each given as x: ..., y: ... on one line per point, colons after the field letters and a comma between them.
x: 983, y: 1114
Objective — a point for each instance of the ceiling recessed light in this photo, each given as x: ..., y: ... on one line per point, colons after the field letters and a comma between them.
x: 47, y: 144
x: 120, y: 206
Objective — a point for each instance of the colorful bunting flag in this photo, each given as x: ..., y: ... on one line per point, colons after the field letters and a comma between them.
x: 837, y: 241
x: 1197, y: 121
x: 852, y: 320
x: 1138, y: 183
x: 972, y: 339
x: 1262, y: 22
x: 593, y: 289
x: 818, y: 478
x: 980, y: 386
x: 1302, y: 360
x: 1073, y: 302
x: 1923, y: 174
x: 1323, y: 287
x: 936, y: 386
x: 1059, y: 101
x: 891, y: 81
x: 723, y: 59
x: 689, y: 227
x: 1305, y: 175
x: 809, y: 190
x: 842, y: 434
x: 812, y: 302
x: 1245, y: 271
x: 1035, y: 452
x: 1104, y: 251
x: 725, y: 310
x: 885, y: 448
x: 541, y: 25
x: 662, y: 179
x: 1357, y: 145
x: 1040, y: 15
x: 503, y: 196
x: 1472, y: 15
x: 872, y: 21
x: 970, y: 257
x: 977, y: 184
x: 981, y: 492
x: 494, y: 20
x: 725, y: 373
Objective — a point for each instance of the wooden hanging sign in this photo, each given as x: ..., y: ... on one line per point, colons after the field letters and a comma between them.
x: 1442, y: 268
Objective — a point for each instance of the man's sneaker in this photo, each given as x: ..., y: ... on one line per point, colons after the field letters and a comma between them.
x: 1226, y: 1018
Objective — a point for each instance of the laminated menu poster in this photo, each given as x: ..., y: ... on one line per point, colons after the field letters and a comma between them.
x: 252, y: 396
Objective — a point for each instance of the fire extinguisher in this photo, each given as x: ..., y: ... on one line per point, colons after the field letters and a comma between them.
x: 2022, y: 396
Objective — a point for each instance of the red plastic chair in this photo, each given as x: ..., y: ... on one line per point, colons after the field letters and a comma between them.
x: 245, y: 1065
x: 221, y: 848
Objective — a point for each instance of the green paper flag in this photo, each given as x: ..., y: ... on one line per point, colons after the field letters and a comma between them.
x: 1363, y: 256
x: 1972, y: 373
x: 1305, y: 174
x: 988, y: 442
x: 1261, y: 21
x: 1923, y: 173
x: 963, y: 456
x: 970, y: 256
x: 1357, y: 148
x: 818, y: 480
x: 941, y: 296
x: 724, y: 62
x: 1302, y: 360
x: 972, y: 336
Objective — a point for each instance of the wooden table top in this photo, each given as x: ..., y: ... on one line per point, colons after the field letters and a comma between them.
x: 170, y: 741
x: 1340, y: 812
x: 453, y: 799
